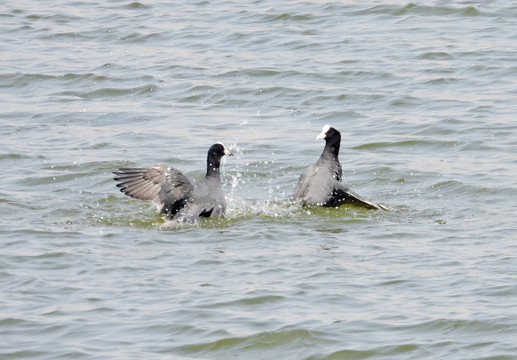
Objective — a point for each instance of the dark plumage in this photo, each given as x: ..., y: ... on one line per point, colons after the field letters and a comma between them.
x: 320, y: 184
x: 173, y: 193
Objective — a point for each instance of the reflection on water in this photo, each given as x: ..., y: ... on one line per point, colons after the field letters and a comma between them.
x: 423, y: 96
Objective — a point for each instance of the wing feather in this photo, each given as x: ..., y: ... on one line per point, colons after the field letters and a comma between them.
x: 343, y: 195
x: 165, y: 186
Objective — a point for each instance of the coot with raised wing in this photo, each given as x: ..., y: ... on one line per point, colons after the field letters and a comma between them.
x: 173, y: 193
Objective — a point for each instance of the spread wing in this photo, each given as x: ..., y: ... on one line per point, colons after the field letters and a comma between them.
x: 165, y: 186
x: 342, y: 195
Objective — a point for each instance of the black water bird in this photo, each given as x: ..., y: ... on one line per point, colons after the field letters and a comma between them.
x: 173, y: 193
x: 320, y: 184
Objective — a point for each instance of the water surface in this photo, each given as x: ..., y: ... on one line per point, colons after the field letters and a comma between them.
x: 424, y: 96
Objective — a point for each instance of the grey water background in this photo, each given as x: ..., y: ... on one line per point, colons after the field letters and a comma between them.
x: 425, y: 96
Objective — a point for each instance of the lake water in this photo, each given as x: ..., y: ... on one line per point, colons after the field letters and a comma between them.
x: 425, y: 96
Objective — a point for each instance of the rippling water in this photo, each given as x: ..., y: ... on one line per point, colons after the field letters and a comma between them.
x: 424, y: 94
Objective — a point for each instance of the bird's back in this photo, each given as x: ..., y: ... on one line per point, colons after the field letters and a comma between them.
x: 206, y: 200
x: 316, y: 184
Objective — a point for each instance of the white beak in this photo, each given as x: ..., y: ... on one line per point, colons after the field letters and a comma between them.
x: 226, y: 152
x: 321, y: 136
x: 323, y: 132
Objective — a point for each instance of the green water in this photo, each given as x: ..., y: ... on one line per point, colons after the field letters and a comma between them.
x: 424, y: 96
